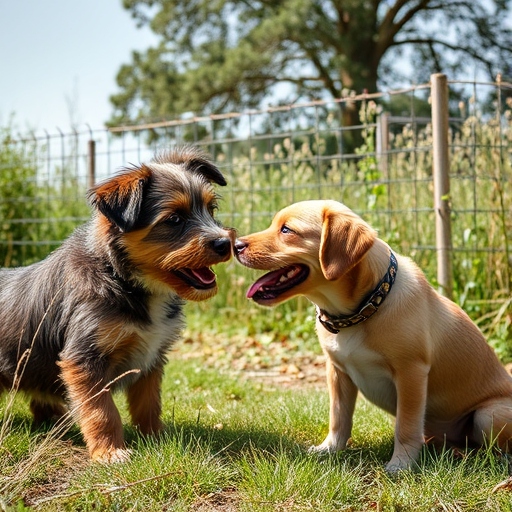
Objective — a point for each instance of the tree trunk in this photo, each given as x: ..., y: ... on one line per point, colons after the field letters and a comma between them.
x: 365, y: 81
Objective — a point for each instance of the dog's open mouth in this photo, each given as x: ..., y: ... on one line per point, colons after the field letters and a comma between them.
x: 275, y: 283
x: 199, y: 278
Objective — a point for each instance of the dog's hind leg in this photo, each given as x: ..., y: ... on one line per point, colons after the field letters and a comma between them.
x: 492, y: 422
x: 144, y: 402
x: 46, y: 410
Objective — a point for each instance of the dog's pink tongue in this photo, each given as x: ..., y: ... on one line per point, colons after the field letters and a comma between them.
x: 267, y: 280
x: 204, y: 275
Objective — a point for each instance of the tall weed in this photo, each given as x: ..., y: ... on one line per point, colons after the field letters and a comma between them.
x: 392, y: 190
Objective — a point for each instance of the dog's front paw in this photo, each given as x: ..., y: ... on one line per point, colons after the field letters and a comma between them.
x: 112, y: 456
x: 328, y: 446
x: 321, y: 449
x: 396, y: 465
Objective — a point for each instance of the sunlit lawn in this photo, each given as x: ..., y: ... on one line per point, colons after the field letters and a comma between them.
x: 232, y: 443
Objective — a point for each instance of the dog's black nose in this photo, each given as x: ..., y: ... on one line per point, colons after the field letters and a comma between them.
x: 222, y: 246
x: 239, y: 246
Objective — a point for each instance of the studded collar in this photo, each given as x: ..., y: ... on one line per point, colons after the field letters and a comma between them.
x: 369, y: 305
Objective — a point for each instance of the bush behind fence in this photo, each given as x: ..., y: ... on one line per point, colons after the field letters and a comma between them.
x: 296, y: 152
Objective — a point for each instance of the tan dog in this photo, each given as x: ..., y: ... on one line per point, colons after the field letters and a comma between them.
x: 385, y: 331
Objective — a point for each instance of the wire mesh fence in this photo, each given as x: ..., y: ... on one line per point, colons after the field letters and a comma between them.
x: 381, y: 168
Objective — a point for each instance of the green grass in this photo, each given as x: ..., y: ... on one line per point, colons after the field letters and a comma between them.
x: 236, y: 444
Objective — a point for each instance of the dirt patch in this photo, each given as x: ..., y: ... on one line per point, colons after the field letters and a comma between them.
x: 56, y: 482
x: 226, y: 500
x: 276, y: 361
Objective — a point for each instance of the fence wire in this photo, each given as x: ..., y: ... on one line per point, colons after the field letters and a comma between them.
x: 381, y: 168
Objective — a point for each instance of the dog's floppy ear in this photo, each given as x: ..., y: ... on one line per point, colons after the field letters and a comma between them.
x: 345, y: 240
x: 120, y: 198
x: 207, y: 169
x: 193, y: 160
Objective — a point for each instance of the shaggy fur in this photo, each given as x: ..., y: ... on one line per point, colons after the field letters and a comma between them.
x: 109, y: 300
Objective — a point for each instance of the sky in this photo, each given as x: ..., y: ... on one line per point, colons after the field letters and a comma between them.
x: 59, y: 60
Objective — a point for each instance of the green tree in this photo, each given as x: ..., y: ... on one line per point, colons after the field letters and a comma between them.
x: 223, y: 55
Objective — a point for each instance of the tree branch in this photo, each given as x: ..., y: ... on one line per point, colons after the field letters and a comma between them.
x: 432, y: 42
x: 390, y: 27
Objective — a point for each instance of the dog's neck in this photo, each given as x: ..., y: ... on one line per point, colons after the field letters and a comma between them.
x: 345, y: 299
x: 367, y: 308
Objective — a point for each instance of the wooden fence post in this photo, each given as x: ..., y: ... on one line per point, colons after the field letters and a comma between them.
x: 91, y: 162
x: 441, y: 168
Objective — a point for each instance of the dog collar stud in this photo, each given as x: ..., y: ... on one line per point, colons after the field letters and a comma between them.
x: 368, y: 306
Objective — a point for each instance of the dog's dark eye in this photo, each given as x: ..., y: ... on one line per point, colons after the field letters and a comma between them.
x: 174, y: 220
x: 285, y: 229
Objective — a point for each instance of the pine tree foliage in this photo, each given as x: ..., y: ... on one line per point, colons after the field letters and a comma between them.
x: 223, y: 55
